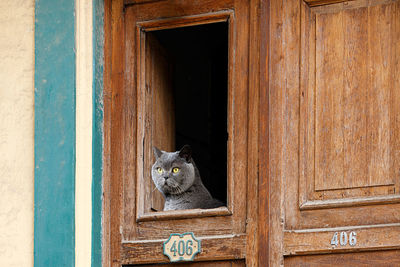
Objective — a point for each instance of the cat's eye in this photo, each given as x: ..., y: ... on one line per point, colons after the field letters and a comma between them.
x: 175, y: 170
x: 160, y: 170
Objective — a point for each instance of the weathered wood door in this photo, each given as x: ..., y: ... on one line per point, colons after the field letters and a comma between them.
x: 139, y: 114
x: 313, y: 125
x: 335, y: 133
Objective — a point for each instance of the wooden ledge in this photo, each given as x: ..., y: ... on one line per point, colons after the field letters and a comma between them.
x: 312, y: 3
x: 183, y: 214
x: 224, y: 247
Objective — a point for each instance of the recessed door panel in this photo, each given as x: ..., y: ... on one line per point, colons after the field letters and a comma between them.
x: 334, y: 126
x: 349, y: 111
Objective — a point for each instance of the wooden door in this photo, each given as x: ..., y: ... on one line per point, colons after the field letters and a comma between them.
x: 335, y: 133
x: 159, y: 100
x: 136, y: 79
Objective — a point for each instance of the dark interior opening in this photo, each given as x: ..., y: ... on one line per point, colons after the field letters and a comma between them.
x: 199, y: 57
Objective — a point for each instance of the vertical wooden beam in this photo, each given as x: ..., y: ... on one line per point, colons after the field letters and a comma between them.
x: 273, y: 134
x: 252, y: 172
x: 263, y: 136
x: 113, y: 119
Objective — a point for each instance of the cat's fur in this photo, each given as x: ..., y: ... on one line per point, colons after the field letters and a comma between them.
x: 183, y: 190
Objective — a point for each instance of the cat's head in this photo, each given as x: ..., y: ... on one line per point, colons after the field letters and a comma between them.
x: 173, y: 172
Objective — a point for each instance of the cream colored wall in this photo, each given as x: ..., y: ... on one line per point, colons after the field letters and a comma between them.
x: 83, y: 170
x: 16, y: 132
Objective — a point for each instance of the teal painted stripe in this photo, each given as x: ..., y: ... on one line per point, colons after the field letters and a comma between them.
x: 54, y: 236
x: 97, y: 159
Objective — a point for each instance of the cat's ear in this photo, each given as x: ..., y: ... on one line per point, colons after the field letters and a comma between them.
x: 186, y: 152
x: 157, y: 152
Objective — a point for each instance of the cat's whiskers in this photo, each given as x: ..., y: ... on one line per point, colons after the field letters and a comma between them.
x: 179, y: 189
x: 175, y: 188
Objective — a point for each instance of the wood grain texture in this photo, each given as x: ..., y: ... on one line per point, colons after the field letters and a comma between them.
x: 318, y: 241
x: 363, y: 259
x: 131, y: 80
x: 238, y: 114
x: 345, y: 120
x: 350, y: 60
x: 144, y: 29
x: 118, y: 122
x: 366, y: 195
x: 342, y: 216
x: 160, y: 132
x: 184, y: 214
x: 179, y: 9
x: 351, y: 4
x: 212, y: 248
x: 395, y: 96
x: 312, y: 3
x: 238, y: 207
x: 252, y: 249
x: 136, y: 2
x: 379, y: 88
x: 328, y: 102
x: 307, y: 99
x: 331, y: 125
x: 185, y: 21
x: 290, y: 99
x: 349, y: 202
x: 134, y: 233
x: 235, y: 263
x: 113, y: 99
x: 263, y: 138
x: 274, y: 139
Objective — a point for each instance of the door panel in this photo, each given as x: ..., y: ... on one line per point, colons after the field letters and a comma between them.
x: 142, y: 226
x: 136, y: 79
x: 160, y: 128
x: 377, y: 258
x: 236, y: 263
x: 335, y: 135
x: 348, y: 116
x: 349, y: 112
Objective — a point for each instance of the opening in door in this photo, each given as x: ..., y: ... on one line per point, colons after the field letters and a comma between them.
x: 186, y: 80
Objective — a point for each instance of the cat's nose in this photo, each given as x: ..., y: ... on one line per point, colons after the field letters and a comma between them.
x: 166, y: 177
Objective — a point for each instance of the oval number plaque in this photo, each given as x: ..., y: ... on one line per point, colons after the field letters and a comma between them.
x: 181, y: 247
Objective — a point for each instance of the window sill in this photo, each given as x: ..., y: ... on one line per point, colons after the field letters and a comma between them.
x: 183, y: 214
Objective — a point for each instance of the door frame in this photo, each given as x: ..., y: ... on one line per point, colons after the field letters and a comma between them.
x: 257, y: 210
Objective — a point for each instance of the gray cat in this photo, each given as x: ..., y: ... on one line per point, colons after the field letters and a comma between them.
x: 178, y: 179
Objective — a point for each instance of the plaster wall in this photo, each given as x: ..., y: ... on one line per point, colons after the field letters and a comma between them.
x: 16, y: 132
x: 83, y: 171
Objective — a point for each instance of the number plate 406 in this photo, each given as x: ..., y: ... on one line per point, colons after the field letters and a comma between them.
x: 181, y: 247
x: 343, y: 238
